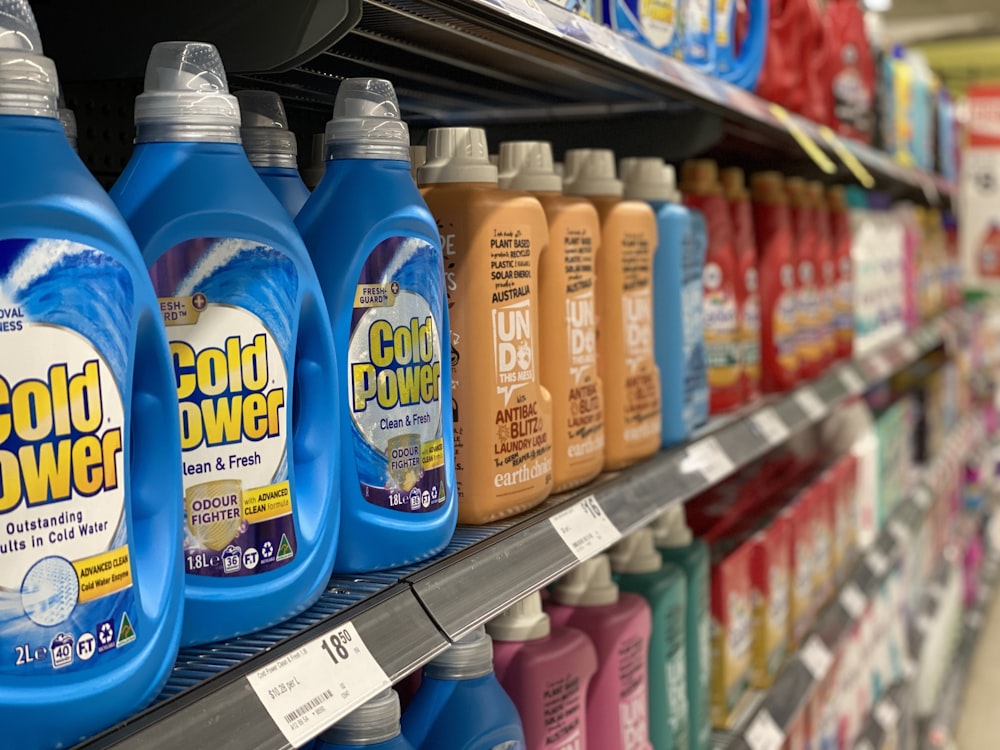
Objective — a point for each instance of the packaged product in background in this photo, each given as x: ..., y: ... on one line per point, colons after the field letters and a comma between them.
x: 799, y: 519
x: 745, y: 243
x: 815, y: 60
x: 640, y: 569
x: 92, y: 571
x: 619, y: 626
x: 658, y: 24
x: 460, y: 704
x: 721, y: 301
x: 979, y: 183
x: 251, y: 347
x: 770, y: 581
x: 843, y: 295
x: 782, y: 74
x: 677, y: 546
x: 625, y: 325
x: 850, y: 72
x: 809, y: 338
x: 546, y: 671
x: 776, y: 283
x: 740, y: 41
x: 374, y: 725
x: 493, y: 242
x: 825, y: 269
x: 677, y: 301
x: 821, y: 515
x: 908, y: 217
x: 377, y: 253
x: 271, y: 147
x: 568, y: 313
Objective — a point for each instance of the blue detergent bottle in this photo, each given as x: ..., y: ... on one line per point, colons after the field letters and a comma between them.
x: 461, y: 705
x: 91, y: 578
x: 377, y: 251
x: 255, y: 372
x: 271, y: 147
x: 374, y: 725
x: 677, y: 304
x: 740, y: 67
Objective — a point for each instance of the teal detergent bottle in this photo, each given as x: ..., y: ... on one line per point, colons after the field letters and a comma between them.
x: 677, y: 271
x: 677, y: 546
x: 254, y: 366
x: 639, y: 569
x: 377, y: 251
x: 271, y: 147
x: 375, y: 725
x: 91, y: 578
x: 461, y: 705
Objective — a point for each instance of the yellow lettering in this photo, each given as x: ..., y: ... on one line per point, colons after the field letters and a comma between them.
x: 254, y: 416
x: 47, y: 470
x: 363, y: 376
x: 380, y: 343
x: 192, y: 431
x: 10, y: 481
x: 183, y: 356
x: 111, y: 446
x: 6, y: 420
x: 222, y: 419
x: 88, y: 463
x: 85, y: 398
x: 275, y: 402
x: 212, y: 372
x: 59, y: 385
x: 255, y: 364
x: 32, y: 409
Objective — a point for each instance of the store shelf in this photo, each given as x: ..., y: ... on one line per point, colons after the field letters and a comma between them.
x: 888, y: 719
x: 772, y: 713
x: 407, y: 616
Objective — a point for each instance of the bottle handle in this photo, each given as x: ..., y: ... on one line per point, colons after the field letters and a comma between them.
x: 748, y: 64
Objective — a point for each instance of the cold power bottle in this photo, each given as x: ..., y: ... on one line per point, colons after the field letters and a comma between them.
x: 91, y: 576
x: 254, y: 365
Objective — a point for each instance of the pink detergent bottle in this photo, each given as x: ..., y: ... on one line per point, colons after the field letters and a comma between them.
x: 619, y: 625
x: 546, y: 671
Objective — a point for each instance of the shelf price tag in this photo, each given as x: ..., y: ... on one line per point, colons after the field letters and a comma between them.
x: 899, y: 531
x: 851, y: 380
x: 861, y: 174
x: 816, y: 657
x: 585, y: 528
x: 877, y: 562
x: 764, y: 733
x: 852, y: 600
x: 311, y: 688
x: 819, y: 157
x: 769, y: 426
x: 922, y: 497
x: 886, y: 714
x: 810, y: 403
x: 707, y: 457
x: 909, y: 349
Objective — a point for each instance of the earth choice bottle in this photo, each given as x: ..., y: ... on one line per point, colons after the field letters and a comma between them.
x: 567, y: 302
x: 492, y: 240
x: 92, y: 576
x: 625, y: 330
x: 377, y: 254
x: 251, y: 347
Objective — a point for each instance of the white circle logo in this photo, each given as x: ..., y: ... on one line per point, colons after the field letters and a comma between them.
x: 712, y: 276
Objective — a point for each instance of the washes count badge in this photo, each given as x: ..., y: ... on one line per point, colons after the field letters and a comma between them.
x: 226, y: 305
x: 395, y: 377
x: 65, y: 571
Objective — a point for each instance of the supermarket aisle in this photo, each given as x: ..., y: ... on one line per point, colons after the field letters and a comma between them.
x: 979, y: 725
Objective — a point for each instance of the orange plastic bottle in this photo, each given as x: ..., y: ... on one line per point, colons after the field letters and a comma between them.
x: 826, y: 272
x: 840, y: 230
x: 701, y: 188
x: 492, y: 241
x: 804, y: 251
x: 568, y: 343
x: 735, y: 190
x: 776, y: 273
x: 626, y: 358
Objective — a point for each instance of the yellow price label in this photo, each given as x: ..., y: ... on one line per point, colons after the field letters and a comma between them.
x: 861, y: 174
x: 804, y: 140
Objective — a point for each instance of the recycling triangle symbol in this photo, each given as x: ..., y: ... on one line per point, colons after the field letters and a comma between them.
x: 284, y: 549
x: 126, y: 633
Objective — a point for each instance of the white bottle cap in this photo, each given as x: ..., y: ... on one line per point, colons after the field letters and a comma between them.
x: 186, y: 96
x: 371, y: 723
x: 457, y: 155
x: 28, y: 81
x: 527, y: 165
x: 266, y: 137
x: 636, y: 553
x: 366, y: 122
x: 649, y: 179
x: 418, y: 155
x: 468, y: 658
x: 522, y: 621
x: 591, y: 171
x: 670, y: 529
x: 589, y: 584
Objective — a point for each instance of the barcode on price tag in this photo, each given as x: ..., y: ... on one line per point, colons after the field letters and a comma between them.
x: 877, y: 562
x: 899, y: 531
x: 852, y: 600
x: 311, y: 688
x: 851, y: 380
x: 769, y: 425
x: 810, y: 403
x: 764, y: 733
x: 816, y: 657
x: 707, y: 457
x: 887, y: 715
x: 585, y: 528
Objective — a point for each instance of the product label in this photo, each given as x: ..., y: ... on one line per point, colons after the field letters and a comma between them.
x: 844, y: 302
x: 777, y: 616
x: 523, y: 449
x: 724, y: 22
x: 784, y: 325
x: 697, y: 28
x: 230, y: 306
x: 676, y: 710
x: 692, y: 293
x: 586, y: 417
x: 563, y: 706
x: 750, y: 328
x: 633, y: 698
x: 642, y: 385
x: 721, y: 320
x: 659, y: 21
x: 66, y: 318
x: 394, y: 371
x: 809, y: 317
